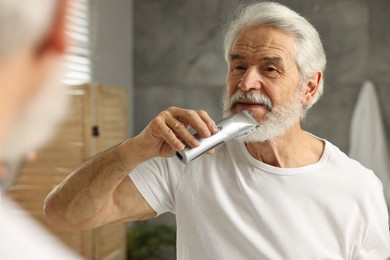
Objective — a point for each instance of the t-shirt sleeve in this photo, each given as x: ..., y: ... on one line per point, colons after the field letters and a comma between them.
x: 376, y: 242
x: 157, y: 180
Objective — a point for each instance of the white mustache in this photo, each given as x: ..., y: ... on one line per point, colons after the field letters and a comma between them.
x: 253, y: 97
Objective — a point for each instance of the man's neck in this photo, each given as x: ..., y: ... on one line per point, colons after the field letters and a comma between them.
x: 295, y: 148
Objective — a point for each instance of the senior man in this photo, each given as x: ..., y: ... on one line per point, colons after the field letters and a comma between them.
x: 32, y: 102
x: 278, y: 193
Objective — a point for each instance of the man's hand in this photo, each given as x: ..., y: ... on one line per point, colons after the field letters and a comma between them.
x: 169, y: 131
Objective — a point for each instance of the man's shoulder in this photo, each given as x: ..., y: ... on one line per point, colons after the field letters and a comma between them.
x: 352, y: 169
x: 341, y: 159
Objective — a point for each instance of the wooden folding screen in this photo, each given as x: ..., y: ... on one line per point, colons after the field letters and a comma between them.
x: 97, y: 119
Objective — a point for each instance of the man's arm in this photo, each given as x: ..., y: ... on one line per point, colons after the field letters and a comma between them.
x: 99, y: 191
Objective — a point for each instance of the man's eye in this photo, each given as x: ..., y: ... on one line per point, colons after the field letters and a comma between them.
x: 239, y: 68
x: 270, y: 69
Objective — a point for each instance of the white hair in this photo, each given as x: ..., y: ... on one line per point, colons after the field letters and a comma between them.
x: 23, y: 23
x: 309, y: 52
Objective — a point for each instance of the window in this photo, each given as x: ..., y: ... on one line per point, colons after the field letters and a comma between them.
x: 78, y: 60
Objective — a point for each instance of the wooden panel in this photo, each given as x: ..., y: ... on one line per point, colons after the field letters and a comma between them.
x: 110, y: 242
x: 112, y: 116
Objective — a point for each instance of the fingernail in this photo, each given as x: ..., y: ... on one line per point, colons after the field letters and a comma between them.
x: 205, y: 131
x: 195, y: 142
x: 214, y: 128
x: 180, y: 147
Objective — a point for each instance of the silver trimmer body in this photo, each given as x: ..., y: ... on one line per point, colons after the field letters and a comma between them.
x: 229, y: 128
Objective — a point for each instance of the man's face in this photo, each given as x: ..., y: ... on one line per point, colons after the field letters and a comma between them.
x: 263, y: 78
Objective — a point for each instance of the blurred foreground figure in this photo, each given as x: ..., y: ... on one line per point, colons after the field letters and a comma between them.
x: 278, y: 193
x: 32, y: 102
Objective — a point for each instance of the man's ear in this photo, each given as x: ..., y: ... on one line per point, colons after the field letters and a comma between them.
x: 311, y: 88
x: 56, y: 39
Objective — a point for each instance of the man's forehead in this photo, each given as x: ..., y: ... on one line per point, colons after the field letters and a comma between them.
x: 264, y: 41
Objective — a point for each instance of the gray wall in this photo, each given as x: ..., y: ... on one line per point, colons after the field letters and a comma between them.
x: 113, y: 46
x: 179, y: 61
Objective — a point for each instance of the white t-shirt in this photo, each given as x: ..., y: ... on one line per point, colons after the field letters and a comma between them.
x: 229, y: 205
x: 23, y: 238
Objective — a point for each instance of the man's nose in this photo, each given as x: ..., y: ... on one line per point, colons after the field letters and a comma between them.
x: 251, y: 80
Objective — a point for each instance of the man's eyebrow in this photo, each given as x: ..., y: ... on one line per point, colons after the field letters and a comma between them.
x: 273, y: 59
x: 234, y: 56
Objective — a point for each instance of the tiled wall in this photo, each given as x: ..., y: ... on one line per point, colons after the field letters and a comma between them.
x: 179, y: 57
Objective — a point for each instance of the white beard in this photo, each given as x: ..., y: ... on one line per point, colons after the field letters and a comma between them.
x: 277, y: 120
x: 34, y: 126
